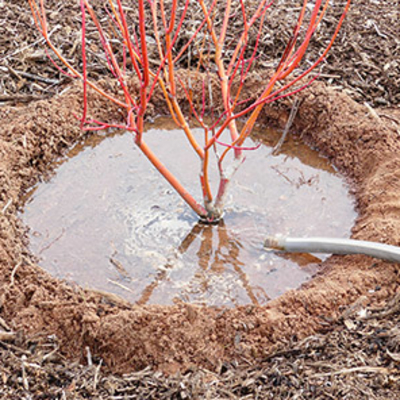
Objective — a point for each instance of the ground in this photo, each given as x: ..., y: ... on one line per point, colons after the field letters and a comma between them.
x: 336, y: 337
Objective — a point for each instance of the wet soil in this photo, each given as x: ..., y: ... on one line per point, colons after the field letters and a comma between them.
x: 45, y: 323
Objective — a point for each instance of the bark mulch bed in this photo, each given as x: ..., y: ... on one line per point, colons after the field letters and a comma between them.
x: 357, y: 357
x: 365, y: 61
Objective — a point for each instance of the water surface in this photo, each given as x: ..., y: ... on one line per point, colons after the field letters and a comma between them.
x: 108, y: 220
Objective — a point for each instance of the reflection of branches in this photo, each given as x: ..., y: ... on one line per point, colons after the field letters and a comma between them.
x: 302, y: 180
x: 303, y: 260
x: 190, y: 237
x: 149, y: 289
x: 48, y: 245
x: 233, y: 251
x: 211, y: 257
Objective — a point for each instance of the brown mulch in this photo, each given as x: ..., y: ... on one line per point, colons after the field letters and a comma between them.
x: 364, y: 61
x: 357, y: 356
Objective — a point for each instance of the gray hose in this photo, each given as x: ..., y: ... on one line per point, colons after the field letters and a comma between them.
x: 334, y: 246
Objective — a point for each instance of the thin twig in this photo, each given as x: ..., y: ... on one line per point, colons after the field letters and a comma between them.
x: 14, y: 272
x: 7, y: 336
x: 89, y: 356
x: 276, y: 150
x: 365, y: 369
x: 4, y: 324
x: 24, y: 375
x: 120, y: 285
x: 8, y: 204
x: 36, y: 77
x: 96, y: 375
x: 19, y: 98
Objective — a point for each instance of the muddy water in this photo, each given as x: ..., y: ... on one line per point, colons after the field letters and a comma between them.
x: 106, y: 220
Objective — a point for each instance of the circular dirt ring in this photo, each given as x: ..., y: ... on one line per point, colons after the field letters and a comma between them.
x: 129, y: 337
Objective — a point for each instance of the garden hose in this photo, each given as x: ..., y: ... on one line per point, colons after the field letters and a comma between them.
x: 333, y: 246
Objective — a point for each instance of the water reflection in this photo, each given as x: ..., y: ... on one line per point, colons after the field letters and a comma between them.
x: 217, y: 249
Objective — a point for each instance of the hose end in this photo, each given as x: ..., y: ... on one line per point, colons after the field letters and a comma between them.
x: 274, y: 243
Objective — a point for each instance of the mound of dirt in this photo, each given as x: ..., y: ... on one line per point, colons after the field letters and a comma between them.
x: 130, y: 337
